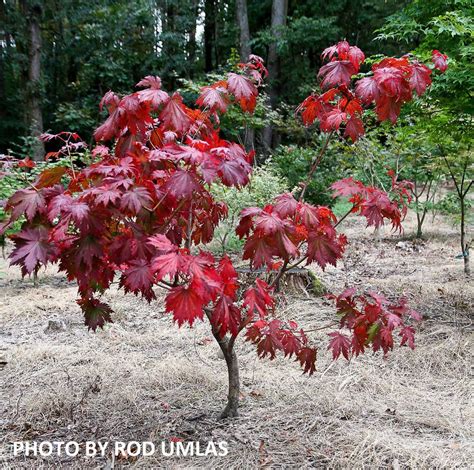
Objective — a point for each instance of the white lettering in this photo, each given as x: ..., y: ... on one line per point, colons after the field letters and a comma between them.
x: 18, y: 447
x: 223, y: 447
x: 31, y: 446
x: 184, y: 451
x: 164, y: 451
x: 75, y: 447
x: 91, y: 449
x: 211, y: 449
x: 45, y: 449
x: 148, y: 448
x: 120, y: 448
x: 103, y: 447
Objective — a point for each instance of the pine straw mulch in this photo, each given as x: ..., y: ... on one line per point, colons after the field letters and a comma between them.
x: 144, y: 379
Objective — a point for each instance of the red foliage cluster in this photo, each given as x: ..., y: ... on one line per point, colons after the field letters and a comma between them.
x: 391, y: 84
x: 142, y: 208
x: 371, y: 320
x: 287, y: 228
x: 70, y: 143
x: 375, y: 204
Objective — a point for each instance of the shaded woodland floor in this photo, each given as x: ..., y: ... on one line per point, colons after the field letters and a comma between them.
x: 142, y: 378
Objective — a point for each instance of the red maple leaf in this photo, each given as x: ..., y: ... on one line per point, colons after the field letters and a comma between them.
x: 333, y: 120
x: 311, y: 108
x: 50, y: 177
x: 32, y: 248
x: 307, y: 359
x: 134, y: 199
x: 162, y: 243
x: 213, y: 98
x: 440, y: 60
x: 174, y: 114
x: 26, y: 163
x: 336, y: 73
x: 356, y: 56
x: 138, y: 278
x: 420, y: 78
x: 388, y: 109
x: 391, y: 80
x: 285, y: 205
x: 367, y: 90
x: 154, y: 95
x: 182, y: 184
x: 229, y: 277
x: 28, y: 202
x: 244, y: 90
x: 226, y: 316
x: 408, y: 336
x: 258, y: 300
x: 185, y: 304
x: 96, y: 313
x: 339, y: 344
x: 324, y: 249
x: 354, y: 128
x: 167, y: 264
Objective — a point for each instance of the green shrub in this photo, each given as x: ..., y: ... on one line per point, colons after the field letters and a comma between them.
x: 450, y: 207
x: 13, y: 178
x: 264, y: 185
x: 293, y: 163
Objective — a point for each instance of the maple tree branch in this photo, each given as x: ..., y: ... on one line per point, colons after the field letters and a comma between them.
x: 297, y: 263
x: 189, y: 227
x: 344, y: 216
x: 329, y: 325
x: 165, y: 285
x: 153, y: 209
x: 468, y: 187
x: 315, y: 165
x: 170, y: 218
x: 282, y: 270
x: 287, y: 267
x: 452, y: 176
x: 70, y: 159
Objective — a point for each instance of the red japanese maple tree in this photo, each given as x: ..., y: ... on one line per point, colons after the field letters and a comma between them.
x: 143, y: 210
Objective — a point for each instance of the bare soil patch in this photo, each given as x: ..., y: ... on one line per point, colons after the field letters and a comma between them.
x: 142, y: 378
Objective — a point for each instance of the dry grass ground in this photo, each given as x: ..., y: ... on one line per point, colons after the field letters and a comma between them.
x: 144, y: 379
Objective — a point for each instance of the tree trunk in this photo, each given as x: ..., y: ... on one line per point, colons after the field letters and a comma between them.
x: 33, y: 104
x: 243, y: 21
x: 231, y: 409
x: 227, y: 347
x: 464, y: 242
x: 209, y: 32
x: 279, y: 13
x: 419, y: 226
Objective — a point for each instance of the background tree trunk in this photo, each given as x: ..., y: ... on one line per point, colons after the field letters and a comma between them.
x: 245, y: 51
x: 168, y: 29
x: 279, y: 14
x: 209, y: 32
x: 243, y: 21
x: 464, y: 242
x: 33, y: 95
x: 4, y: 45
x: 192, y: 39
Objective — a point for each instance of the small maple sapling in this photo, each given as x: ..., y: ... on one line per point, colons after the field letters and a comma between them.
x: 143, y: 210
